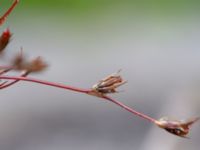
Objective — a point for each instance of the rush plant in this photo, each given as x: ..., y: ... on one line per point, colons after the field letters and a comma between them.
x: 102, y: 89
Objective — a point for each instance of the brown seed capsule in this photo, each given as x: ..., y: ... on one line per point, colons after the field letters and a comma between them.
x: 108, y: 84
x: 4, y: 39
x: 36, y: 65
x: 179, y: 128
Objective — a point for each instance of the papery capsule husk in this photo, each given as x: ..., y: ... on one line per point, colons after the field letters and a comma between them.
x: 108, y: 84
x: 176, y: 127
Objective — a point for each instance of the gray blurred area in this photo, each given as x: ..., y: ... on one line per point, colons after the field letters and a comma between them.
x: 160, y: 61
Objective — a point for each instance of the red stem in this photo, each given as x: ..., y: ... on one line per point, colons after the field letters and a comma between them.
x: 2, y: 19
x: 4, y: 71
x: 10, y: 9
x: 130, y: 109
x: 4, y: 85
x: 81, y: 91
x: 46, y: 83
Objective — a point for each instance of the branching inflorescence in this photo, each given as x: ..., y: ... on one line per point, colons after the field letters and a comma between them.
x: 102, y: 89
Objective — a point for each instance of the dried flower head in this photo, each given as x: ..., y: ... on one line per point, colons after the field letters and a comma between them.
x: 179, y: 128
x: 108, y: 84
x: 35, y: 65
x: 18, y: 61
x: 4, y: 39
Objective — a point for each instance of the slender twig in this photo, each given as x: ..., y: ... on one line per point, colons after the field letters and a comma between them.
x: 46, y: 83
x: 80, y: 91
x: 5, y: 15
x: 5, y: 71
x: 4, y: 85
x: 130, y: 109
x: 6, y: 67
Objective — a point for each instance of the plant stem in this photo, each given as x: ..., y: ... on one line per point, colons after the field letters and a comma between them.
x: 4, y: 71
x: 46, y: 83
x: 141, y: 115
x: 3, y: 18
x: 23, y: 74
x: 130, y: 109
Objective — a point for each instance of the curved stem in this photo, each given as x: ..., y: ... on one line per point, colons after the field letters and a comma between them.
x: 2, y: 19
x: 4, y: 71
x: 23, y: 74
x: 130, y: 109
x: 80, y: 91
x: 62, y: 86
x: 3, y: 83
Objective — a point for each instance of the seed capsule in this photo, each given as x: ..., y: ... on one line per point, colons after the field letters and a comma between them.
x: 108, y: 85
x: 179, y: 128
x: 4, y: 39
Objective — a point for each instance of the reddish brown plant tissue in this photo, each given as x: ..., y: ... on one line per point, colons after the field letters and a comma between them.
x: 178, y: 127
x: 6, y: 14
x: 4, y: 39
x: 21, y: 63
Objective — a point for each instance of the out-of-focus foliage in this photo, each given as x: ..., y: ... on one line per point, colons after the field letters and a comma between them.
x: 77, y: 7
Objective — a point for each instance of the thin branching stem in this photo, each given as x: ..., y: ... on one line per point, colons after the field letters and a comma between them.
x: 46, y: 83
x: 5, y: 15
x: 104, y: 87
x: 23, y: 74
x: 3, y: 83
x: 130, y: 109
x: 4, y: 71
x: 80, y: 91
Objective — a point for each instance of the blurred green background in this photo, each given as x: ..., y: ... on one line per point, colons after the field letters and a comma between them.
x: 90, y: 10
x: 89, y: 7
